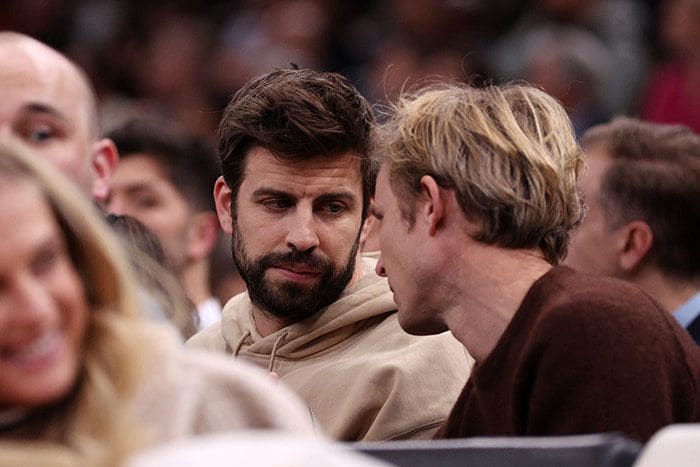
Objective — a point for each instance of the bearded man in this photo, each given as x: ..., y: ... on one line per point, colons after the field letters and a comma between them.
x: 294, y: 195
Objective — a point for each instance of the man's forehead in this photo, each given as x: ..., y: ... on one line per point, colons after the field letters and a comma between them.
x: 41, y: 75
x: 597, y: 161
x: 142, y: 165
x: 263, y: 164
x: 34, y: 57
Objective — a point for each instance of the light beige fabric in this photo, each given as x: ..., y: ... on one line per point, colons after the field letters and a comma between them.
x: 188, y: 392
x: 675, y: 445
x: 253, y: 448
x: 361, y: 375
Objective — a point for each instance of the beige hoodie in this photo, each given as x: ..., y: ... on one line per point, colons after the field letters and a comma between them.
x: 361, y: 375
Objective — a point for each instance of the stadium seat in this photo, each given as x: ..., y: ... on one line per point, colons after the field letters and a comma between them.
x: 675, y: 445
x: 599, y: 450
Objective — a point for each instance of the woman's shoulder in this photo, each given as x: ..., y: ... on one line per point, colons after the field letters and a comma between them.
x: 189, y: 391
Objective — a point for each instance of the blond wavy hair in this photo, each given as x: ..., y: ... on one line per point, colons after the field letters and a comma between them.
x: 91, y: 426
x: 508, y: 152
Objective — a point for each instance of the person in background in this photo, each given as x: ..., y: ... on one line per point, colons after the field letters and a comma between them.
x: 165, y: 179
x: 161, y: 295
x: 294, y: 195
x: 47, y: 102
x: 672, y: 93
x: 642, y: 188
x: 224, y: 278
x: 483, y: 183
x: 84, y: 380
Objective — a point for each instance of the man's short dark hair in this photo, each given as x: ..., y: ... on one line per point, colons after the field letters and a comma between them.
x: 188, y: 160
x: 654, y: 177
x: 297, y: 114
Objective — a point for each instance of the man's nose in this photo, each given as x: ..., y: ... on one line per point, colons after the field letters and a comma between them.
x: 303, y: 231
x: 379, y: 268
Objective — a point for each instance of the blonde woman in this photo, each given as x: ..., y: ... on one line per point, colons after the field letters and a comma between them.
x: 84, y: 380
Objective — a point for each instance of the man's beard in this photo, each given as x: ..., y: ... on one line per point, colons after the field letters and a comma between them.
x: 290, y: 301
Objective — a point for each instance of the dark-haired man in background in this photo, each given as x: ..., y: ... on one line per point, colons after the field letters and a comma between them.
x: 165, y: 179
x: 642, y: 188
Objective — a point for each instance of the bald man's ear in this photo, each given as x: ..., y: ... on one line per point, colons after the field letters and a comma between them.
x: 104, y: 161
x: 634, y: 241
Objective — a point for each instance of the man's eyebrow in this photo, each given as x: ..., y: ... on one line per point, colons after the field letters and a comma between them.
x: 138, y: 187
x: 345, y: 196
x: 270, y: 192
x: 40, y: 108
x: 331, y: 196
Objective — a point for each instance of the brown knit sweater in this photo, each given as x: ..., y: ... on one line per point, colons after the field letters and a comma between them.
x: 582, y: 355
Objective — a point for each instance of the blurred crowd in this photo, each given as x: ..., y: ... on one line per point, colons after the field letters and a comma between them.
x: 184, y: 59
x: 501, y: 164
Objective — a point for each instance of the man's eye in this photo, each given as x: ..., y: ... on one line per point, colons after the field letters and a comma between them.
x: 277, y: 203
x: 334, y: 208
x: 40, y: 133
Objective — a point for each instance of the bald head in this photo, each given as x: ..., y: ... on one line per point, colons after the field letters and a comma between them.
x: 47, y: 102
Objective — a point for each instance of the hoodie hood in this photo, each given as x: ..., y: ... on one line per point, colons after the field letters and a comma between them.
x: 367, y: 301
x: 361, y: 375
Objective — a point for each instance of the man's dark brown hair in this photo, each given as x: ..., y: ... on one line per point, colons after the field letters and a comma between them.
x: 654, y: 177
x: 297, y: 114
x: 187, y: 159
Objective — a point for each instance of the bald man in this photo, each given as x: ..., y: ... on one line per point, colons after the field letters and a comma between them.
x: 47, y: 102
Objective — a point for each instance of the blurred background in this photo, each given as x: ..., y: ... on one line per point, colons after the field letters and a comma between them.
x: 184, y: 59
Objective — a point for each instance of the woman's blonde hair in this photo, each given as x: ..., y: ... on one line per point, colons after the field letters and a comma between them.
x: 91, y: 426
x: 509, y: 153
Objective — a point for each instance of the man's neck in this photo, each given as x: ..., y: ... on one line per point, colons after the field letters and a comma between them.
x: 494, y: 282
x: 668, y: 291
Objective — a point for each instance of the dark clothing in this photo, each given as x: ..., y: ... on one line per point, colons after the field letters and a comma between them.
x: 694, y: 330
x: 582, y: 354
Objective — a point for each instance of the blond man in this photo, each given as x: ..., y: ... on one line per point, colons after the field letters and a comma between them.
x: 483, y: 183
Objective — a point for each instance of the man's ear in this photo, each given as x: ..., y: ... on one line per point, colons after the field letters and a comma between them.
x: 104, y: 161
x: 367, y: 227
x: 431, y: 205
x: 633, y: 242
x: 223, y: 197
x: 203, y: 234
x: 369, y: 235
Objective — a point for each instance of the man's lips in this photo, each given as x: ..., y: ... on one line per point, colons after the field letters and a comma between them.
x: 298, y: 268
x: 297, y: 272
